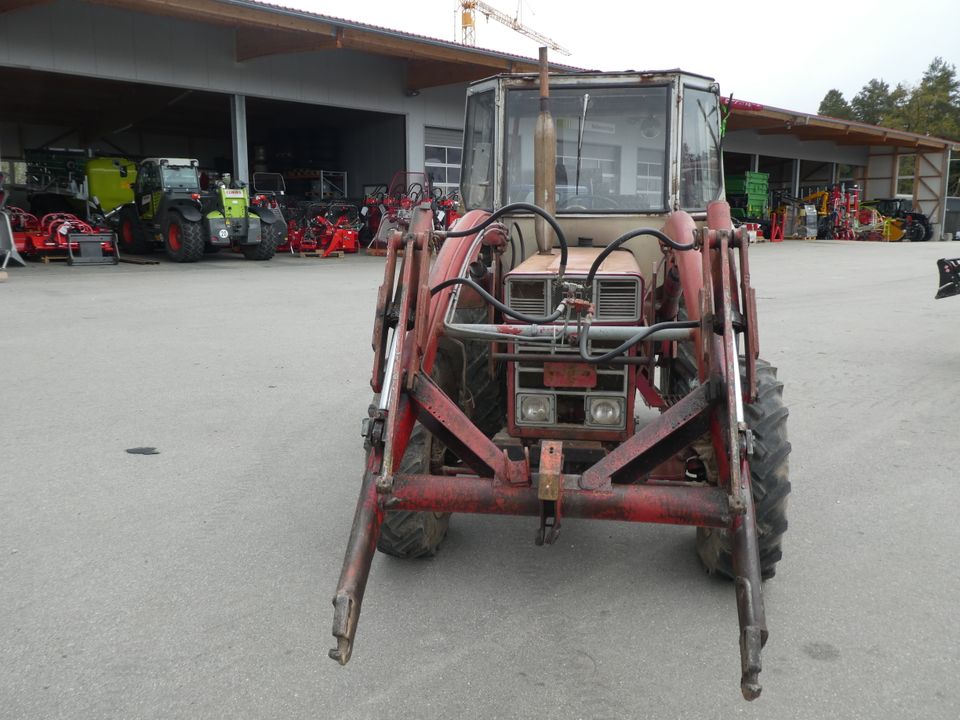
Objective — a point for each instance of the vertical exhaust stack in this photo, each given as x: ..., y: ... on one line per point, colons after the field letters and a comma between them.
x: 545, y: 161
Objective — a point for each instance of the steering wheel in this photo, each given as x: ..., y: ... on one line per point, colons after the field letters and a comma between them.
x: 588, y: 202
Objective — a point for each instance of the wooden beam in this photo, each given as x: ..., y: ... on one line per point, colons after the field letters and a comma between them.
x: 261, y: 42
x: 218, y: 13
x: 422, y: 74
x: 7, y: 6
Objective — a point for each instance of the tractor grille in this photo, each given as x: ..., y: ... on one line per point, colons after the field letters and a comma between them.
x: 617, y: 299
x: 527, y: 296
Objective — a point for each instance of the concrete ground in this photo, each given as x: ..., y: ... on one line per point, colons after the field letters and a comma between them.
x: 196, y: 583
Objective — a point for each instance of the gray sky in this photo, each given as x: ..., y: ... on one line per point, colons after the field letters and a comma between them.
x: 780, y: 54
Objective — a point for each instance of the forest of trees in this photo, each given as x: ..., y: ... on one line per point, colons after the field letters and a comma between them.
x: 931, y: 107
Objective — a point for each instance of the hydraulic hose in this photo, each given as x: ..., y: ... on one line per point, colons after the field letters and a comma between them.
x: 629, y: 236
x: 551, y: 221
x: 506, y: 310
x: 626, y: 345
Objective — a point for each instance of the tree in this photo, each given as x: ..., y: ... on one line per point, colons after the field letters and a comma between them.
x: 933, y: 106
x: 874, y: 103
x: 835, y: 105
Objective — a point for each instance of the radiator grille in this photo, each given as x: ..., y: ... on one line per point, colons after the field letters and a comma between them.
x: 527, y: 296
x: 618, y: 300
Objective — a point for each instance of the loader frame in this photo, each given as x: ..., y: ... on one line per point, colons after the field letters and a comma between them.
x: 715, y: 278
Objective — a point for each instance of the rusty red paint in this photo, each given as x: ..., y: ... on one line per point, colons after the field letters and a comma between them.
x: 569, y: 375
x: 675, y: 505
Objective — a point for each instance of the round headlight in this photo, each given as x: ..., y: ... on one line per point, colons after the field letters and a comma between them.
x: 535, y: 408
x: 605, y: 411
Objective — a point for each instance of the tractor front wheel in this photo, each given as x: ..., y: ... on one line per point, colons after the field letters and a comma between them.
x: 182, y: 238
x: 271, y: 235
x: 769, y: 479
x: 463, y: 372
x: 416, y: 534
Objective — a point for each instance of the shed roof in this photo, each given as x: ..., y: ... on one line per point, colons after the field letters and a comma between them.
x: 766, y: 120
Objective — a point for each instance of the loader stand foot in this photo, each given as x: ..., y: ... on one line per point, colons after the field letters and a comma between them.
x: 752, y: 639
x: 356, y: 569
x: 750, y: 644
x: 346, y: 612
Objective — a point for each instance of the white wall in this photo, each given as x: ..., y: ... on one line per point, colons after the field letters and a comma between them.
x: 77, y: 38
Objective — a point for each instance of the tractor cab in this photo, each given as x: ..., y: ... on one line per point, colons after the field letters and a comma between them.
x: 629, y: 146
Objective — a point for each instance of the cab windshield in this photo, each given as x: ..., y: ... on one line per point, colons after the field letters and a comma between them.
x: 180, y: 177
x: 611, y: 147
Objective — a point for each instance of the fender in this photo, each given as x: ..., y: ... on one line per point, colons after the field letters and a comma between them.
x: 268, y: 216
x: 189, y: 211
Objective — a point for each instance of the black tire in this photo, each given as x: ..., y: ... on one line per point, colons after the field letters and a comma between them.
x: 271, y: 235
x: 914, y: 232
x: 419, y: 534
x: 183, y: 239
x: 769, y: 477
x: 927, y: 231
x: 131, y: 235
x: 415, y: 534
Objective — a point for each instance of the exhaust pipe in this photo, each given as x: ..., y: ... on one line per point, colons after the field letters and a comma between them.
x: 545, y: 161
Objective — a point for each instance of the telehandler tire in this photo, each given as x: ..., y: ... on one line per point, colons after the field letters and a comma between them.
x: 131, y: 236
x: 271, y: 235
x: 769, y: 477
x: 182, y: 238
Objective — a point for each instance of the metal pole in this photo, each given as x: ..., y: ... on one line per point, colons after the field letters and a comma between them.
x: 238, y: 134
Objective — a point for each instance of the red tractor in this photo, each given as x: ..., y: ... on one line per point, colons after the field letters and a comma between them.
x: 508, y: 377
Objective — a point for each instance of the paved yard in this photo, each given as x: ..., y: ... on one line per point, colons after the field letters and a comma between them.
x: 196, y: 583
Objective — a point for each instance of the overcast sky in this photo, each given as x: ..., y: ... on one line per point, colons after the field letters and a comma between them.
x: 782, y: 54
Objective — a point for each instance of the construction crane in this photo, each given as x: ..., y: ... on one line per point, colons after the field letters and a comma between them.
x: 468, y: 23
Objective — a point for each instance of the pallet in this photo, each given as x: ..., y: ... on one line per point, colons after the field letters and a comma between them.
x: 377, y: 252
x: 47, y: 259
x: 138, y: 260
x: 320, y: 256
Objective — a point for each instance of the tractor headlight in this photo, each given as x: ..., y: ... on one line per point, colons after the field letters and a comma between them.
x: 605, y: 411
x: 535, y: 409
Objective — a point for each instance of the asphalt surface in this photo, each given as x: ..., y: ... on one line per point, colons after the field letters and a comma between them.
x: 196, y: 583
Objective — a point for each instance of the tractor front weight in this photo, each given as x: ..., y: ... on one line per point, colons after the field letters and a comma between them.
x: 620, y: 485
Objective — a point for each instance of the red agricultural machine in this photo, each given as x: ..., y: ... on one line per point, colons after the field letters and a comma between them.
x: 446, y: 210
x: 514, y: 386
x: 406, y: 190
x: 326, y: 228
x: 55, y: 234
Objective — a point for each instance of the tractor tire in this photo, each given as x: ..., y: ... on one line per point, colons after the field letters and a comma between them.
x: 914, y: 232
x: 132, y: 237
x: 415, y: 534
x: 927, y: 231
x: 769, y: 478
x: 183, y: 239
x: 480, y: 395
x: 271, y: 235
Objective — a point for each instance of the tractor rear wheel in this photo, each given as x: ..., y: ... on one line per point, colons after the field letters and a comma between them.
x: 132, y: 236
x: 769, y: 478
x: 479, y: 393
x: 914, y: 232
x: 271, y: 235
x: 183, y: 239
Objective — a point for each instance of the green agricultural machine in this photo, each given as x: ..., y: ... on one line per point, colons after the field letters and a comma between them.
x: 169, y: 209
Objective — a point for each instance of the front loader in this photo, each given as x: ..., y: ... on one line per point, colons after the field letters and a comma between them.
x: 508, y: 375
